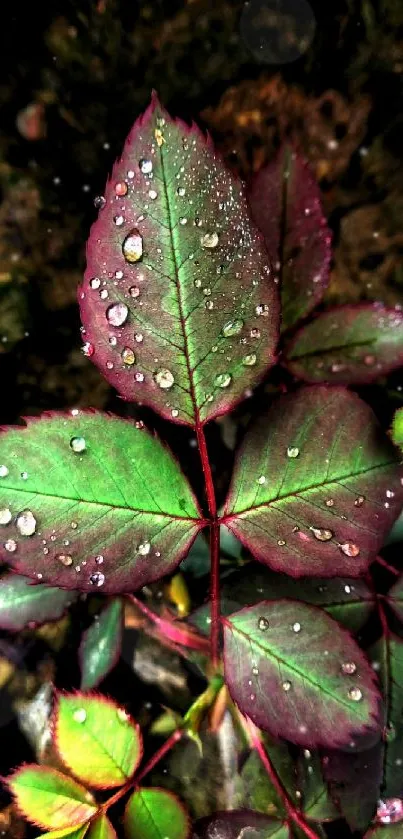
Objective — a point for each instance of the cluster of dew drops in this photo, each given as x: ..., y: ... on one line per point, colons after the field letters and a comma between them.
x: 27, y: 525
x: 117, y: 313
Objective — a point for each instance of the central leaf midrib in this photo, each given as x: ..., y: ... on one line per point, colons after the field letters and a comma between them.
x: 337, y: 348
x: 280, y: 660
x: 178, y: 292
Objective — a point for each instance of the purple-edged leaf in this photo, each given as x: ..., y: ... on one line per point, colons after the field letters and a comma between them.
x: 91, y: 501
x: 394, y: 598
x: 297, y: 674
x: 348, y: 600
x: 387, y: 659
x: 179, y: 305
x: 316, y: 485
x: 354, y: 782
x: 92, y: 725
x: 24, y: 603
x: 50, y: 799
x: 153, y: 813
x: 286, y: 205
x: 100, y: 645
x: 235, y: 823
x: 101, y: 828
x: 348, y: 345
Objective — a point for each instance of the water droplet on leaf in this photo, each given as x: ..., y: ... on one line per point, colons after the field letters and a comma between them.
x: 133, y: 246
x: 348, y: 667
x: 128, y: 356
x: 355, y: 694
x: 3, y: 471
x: 144, y: 549
x: 286, y: 686
x: 11, y: 545
x: 349, y: 549
x: 95, y: 283
x: 209, y: 240
x: 223, y: 380
x: 262, y: 310
x: 164, y: 379
x: 78, y: 444
x: 249, y: 360
x: 117, y: 314
x: 121, y: 188
x: 26, y: 523
x: 292, y: 451
x: 296, y: 627
x: 99, y: 202
x: 232, y: 327
x: 321, y: 534
x: 146, y: 166
x: 5, y: 516
x: 97, y: 579
x: 80, y: 715
x: 390, y: 811
x: 263, y: 624
x: 65, y: 559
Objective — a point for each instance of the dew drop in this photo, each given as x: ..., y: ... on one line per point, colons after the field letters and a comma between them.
x: 88, y: 349
x: 262, y: 479
x: 78, y: 444
x: 11, y: 545
x: 183, y: 220
x: 99, y: 202
x: 146, y: 166
x: 95, y: 283
x: 329, y: 502
x: 26, y: 523
x: 119, y: 220
x: 321, y: 534
x: 144, y: 548
x: 121, y: 188
x: 122, y: 715
x: 65, y: 559
x: 3, y: 471
x: 128, y: 356
x: 153, y: 194
x: 223, y: 380
x: 262, y: 310
x: 164, y: 379
x: 133, y: 246
x: 355, y: 694
x: 209, y: 305
x: 134, y: 291
x: 390, y: 493
x: 263, y: 624
x: 349, y: 549
x: 139, y: 377
x: 249, y: 360
x: 255, y: 671
x: 117, y: 314
x: 138, y: 337
x: 281, y: 542
x: 174, y: 412
x: 99, y: 559
x: 296, y: 627
x: 292, y: 451
x: 181, y: 191
x: 232, y: 327
x: 359, y: 501
x: 349, y: 668
x: 347, y: 589
x: 97, y: 579
x: 80, y: 715
x: 5, y: 516
x: 286, y: 686
x: 209, y: 240
x: 119, y: 275
x: 255, y: 333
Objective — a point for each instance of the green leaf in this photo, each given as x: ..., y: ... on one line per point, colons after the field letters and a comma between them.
x: 67, y: 832
x: 397, y: 428
x: 101, y: 828
x: 191, y: 300
x: 387, y: 658
x: 92, y: 725
x: 348, y: 345
x: 348, y: 600
x: 393, y: 831
x: 315, y: 800
x: 297, y: 674
x: 92, y: 501
x: 23, y: 603
x: 153, y: 813
x: 50, y: 799
x: 101, y: 644
x: 316, y: 486
x: 254, y: 790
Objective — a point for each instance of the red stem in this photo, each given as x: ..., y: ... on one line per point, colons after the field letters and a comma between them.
x: 388, y: 567
x: 214, y: 547
x: 292, y: 812
x: 170, y: 629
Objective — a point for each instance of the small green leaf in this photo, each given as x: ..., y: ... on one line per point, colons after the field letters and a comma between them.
x: 316, y: 485
x: 83, y: 507
x: 297, y: 674
x: 67, y: 833
x: 153, y: 813
x: 397, y: 428
x: 92, y: 725
x: 23, y: 602
x: 50, y: 799
x: 100, y: 645
x: 101, y: 828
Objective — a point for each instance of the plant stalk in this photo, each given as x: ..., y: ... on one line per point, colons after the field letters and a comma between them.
x: 214, y: 548
x: 170, y: 629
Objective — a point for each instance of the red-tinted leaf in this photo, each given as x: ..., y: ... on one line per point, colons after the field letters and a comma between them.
x: 316, y: 485
x: 236, y: 823
x: 197, y: 308
x: 286, y: 205
x: 387, y: 658
x: 24, y: 603
x: 297, y: 674
x: 50, y: 799
x: 349, y: 345
x: 92, y: 501
x: 100, y: 645
x: 355, y: 781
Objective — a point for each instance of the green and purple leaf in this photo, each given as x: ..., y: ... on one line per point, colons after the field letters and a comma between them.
x: 92, y: 725
x: 25, y: 603
x: 387, y: 657
x: 101, y: 828
x: 297, y: 674
x: 316, y: 485
x: 350, y: 601
x: 179, y: 304
x: 153, y: 813
x: 236, y: 823
x: 101, y: 644
x: 348, y: 345
x: 83, y: 505
x: 50, y: 799
x: 285, y: 201
x: 355, y: 780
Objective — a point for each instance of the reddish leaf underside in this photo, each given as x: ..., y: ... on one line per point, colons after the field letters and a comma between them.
x: 91, y: 501
x: 348, y: 345
x: 285, y: 202
x: 50, y: 799
x: 297, y: 674
x: 24, y: 603
x: 316, y: 486
x: 179, y: 305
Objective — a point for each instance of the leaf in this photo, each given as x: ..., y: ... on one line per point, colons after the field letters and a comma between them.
x: 314, y: 796
x: 316, y: 485
x: 395, y: 598
x: 387, y: 658
x: 100, y: 645
x: 24, y: 603
x: 92, y: 725
x: 297, y: 674
x: 285, y: 202
x: 346, y: 599
x: 394, y: 831
x: 348, y: 345
x: 192, y: 313
x: 69, y: 832
x: 245, y: 823
x: 50, y: 799
x: 397, y: 428
x: 101, y: 828
x: 153, y: 813
x: 354, y: 780
x: 96, y: 515
x: 254, y: 788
